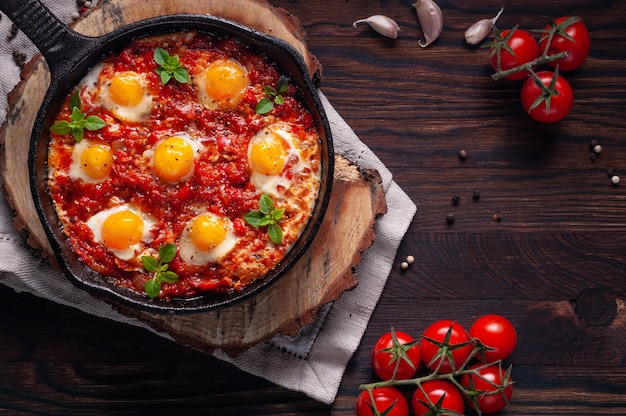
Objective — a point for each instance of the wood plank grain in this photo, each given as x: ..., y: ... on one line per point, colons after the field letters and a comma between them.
x: 555, y: 264
x: 316, y: 280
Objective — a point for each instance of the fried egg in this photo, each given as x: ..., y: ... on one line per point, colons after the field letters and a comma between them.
x: 172, y: 158
x: 221, y: 84
x: 125, y: 93
x: 274, y: 157
x: 122, y: 229
x: 206, y: 238
x: 91, y: 162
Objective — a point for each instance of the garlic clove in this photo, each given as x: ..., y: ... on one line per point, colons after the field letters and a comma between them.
x: 381, y: 24
x: 479, y: 31
x: 431, y: 20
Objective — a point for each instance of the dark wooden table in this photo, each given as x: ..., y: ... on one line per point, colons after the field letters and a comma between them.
x: 555, y: 264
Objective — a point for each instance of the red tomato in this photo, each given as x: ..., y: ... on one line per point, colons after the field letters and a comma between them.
x: 497, y: 333
x: 404, y: 353
x: 578, y: 45
x: 554, y: 105
x: 384, y: 398
x: 523, y: 46
x: 435, y: 348
x: 435, y: 390
x: 490, y: 377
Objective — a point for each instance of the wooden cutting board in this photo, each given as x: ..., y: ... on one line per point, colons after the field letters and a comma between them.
x: 322, y: 274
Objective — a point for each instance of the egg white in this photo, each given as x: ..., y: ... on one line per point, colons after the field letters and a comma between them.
x: 95, y: 86
x: 191, y: 254
x: 195, y: 144
x: 215, y: 103
x: 276, y: 185
x: 76, y: 171
x: 95, y: 224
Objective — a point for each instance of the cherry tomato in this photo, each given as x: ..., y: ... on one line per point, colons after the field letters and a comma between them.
x: 435, y: 390
x: 524, y: 47
x: 497, y: 333
x: 385, y: 398
x: 405, y: 354
x: 457, y: 348
x: 555, y: 105
x: 488, y: 403
x: 578, y: 46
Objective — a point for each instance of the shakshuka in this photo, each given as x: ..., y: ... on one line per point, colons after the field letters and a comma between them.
x: 180, y: 161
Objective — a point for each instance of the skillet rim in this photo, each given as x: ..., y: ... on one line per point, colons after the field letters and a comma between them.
x: 93, y: 282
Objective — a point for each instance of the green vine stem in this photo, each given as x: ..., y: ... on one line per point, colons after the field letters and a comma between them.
x: 528, y: 66
x: 450, y: 377
x: 544, y: 58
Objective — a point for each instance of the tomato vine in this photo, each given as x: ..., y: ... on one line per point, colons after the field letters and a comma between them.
x: 483, y: 383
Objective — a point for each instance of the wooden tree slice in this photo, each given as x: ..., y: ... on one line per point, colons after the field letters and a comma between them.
x: 321, y: 275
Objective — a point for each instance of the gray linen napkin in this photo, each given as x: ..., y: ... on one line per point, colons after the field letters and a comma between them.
x: 315, y: 360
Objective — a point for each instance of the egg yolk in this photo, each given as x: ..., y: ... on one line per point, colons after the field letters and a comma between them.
x: 126, y: 89
x: 225, y: 80
x: 122, y: 229
x: 207, y: 232
x: 267, y: 156
x: 96, y: 161
x: 173, y: 159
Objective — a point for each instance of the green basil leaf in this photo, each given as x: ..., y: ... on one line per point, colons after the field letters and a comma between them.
x: 94, y: 123
x: 282, y: 84
x: 278, y: 213
x: 61, y: 127
x: 78, y: 134
x: 77, y: 115
x: 279, y: 100
x: 161, y: 56
x: 75, y: 101
x: 264, y: 221
x: 265, y: 204
x: 152, y: 288
x: 167, y: 252
x: 264, y: 106
x: 275, y: 233
x: 181, y: 75
x: 149, y: 263
x: 165, y: 77
x: 169, y: 277
x: 173, y: 62
x: 269, y: 90
x: 253, y: 218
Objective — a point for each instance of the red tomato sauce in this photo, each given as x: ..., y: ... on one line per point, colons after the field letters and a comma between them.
x: 221, y: 180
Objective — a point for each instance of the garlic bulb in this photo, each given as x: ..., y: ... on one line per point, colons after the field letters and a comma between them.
x: 477, y: 32
x: 382, y: 24
x: 431, y: 20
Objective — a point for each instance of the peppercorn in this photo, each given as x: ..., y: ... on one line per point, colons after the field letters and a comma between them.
x: 597, y: 149
x: 615, y: 179
x: 476, y: 195
x: 13, y: 32
x: 404, y: 265
x: 456, y: 199
x: 610, y: 172
x: 497, y: 217
x: 462, y: 155
x: 592, y: 156
x: 410, y: 259
x: 19, y: 58
x: 593, y: 143
x: 450, y: 219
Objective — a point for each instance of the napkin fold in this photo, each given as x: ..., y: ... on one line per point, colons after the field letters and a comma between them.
x: 314, y: 361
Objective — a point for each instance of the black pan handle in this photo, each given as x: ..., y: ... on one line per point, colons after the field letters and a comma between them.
x: 59, y: 45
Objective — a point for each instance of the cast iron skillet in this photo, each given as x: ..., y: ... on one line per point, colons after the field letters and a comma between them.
x: 69, y: 56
